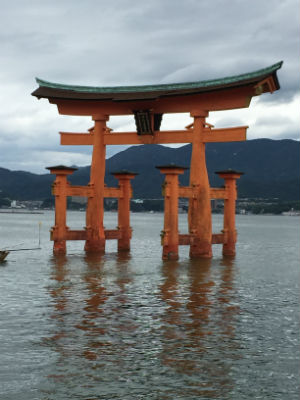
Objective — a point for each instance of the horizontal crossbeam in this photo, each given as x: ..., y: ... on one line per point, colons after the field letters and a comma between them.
x: 216, y: 193
x: 218, y: 238
x: 68, y: 235
x: 158, y: 137
x: 82, y: 191
x: 236, y: 134
x: 184, y: 239
x: 82, y: 234
x: 76, y: 139
x: 112, y: 192
x: 187, y: 192
x: 76, y: 235
x: 112, y: 234
x: 191, y: 192
x: 187, y: 239
x: 87, y: 191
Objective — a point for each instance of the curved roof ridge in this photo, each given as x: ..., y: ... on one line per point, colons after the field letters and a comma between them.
x: 165, y: 86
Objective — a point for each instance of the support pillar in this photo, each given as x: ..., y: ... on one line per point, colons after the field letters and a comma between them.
x: 58, y: 232
x: 95, y: 208
x: 229, y: 229
x: 170, y: 237
x: 199, y: 216
x: 124, y: 178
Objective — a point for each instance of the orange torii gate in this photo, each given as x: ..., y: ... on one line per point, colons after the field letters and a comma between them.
x: 148, y: 104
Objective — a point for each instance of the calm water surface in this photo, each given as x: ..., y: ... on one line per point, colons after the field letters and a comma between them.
x: 134, y: 327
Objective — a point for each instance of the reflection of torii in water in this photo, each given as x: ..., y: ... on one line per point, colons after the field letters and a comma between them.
x: 198, y: 326
x: 148, y: 104
x: 83, y: 331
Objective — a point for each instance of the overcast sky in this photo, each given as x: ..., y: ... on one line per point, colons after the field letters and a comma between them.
x: 128, y: 42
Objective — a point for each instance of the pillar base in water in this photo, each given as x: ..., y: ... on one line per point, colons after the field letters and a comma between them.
x: 171, y: 255
x: 123, y: 246
x: 95, y: 246
x: 124, y: 241
x: 59, y: 247
x: 200, y: 249
x: 229, y: 249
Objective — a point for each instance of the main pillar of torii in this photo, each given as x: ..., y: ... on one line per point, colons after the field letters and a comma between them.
x: 148, y: 104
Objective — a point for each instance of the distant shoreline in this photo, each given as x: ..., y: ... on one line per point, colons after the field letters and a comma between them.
x: 7, y: 211
x: 20, y: 212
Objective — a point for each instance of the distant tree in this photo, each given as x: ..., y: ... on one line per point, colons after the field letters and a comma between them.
x: 4, y: 202
x: 48, y: 203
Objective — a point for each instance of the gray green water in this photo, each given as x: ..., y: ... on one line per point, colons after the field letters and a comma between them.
x: 134, y: 327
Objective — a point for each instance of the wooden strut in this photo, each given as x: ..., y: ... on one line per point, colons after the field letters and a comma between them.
x: 171, y: 238
x: 60, y: 233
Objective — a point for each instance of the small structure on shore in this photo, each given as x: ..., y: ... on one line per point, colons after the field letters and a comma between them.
x: 148, y: 104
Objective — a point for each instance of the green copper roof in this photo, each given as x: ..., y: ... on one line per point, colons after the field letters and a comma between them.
x: 163, y: 87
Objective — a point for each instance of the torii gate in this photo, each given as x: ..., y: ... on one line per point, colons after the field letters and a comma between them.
x: 148, y: 104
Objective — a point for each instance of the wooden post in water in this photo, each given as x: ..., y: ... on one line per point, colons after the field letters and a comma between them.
x: 124, y: 228
x: 95, y: 241
x: 170, y: 237
x: 60, y: 185
x: 229, y: 229
x: 200, y: 224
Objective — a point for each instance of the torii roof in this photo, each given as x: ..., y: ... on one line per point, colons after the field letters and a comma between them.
x: 58, y: 91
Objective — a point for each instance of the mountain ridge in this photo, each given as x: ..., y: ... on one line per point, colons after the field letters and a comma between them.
x: 271, y: 169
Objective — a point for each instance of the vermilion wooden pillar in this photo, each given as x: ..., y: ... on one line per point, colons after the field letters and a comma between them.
x: 124, y: 178
x: 230, y: 178
x: 170, y: 236
x: 58, y: 232
x: 200, y: 223
x: 95, y: 208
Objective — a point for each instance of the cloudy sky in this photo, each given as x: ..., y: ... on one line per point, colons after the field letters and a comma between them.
x: 129, y: 42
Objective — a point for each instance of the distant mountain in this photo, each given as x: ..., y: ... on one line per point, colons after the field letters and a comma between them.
x: 271, y: 169
x: 21, y: 185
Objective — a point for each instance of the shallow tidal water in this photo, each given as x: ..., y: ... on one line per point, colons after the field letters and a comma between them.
x: 131, y: 326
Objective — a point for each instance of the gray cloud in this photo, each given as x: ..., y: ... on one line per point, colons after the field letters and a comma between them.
x: 125, y: 42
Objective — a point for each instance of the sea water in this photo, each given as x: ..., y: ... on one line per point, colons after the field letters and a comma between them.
x: 130, y: 326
